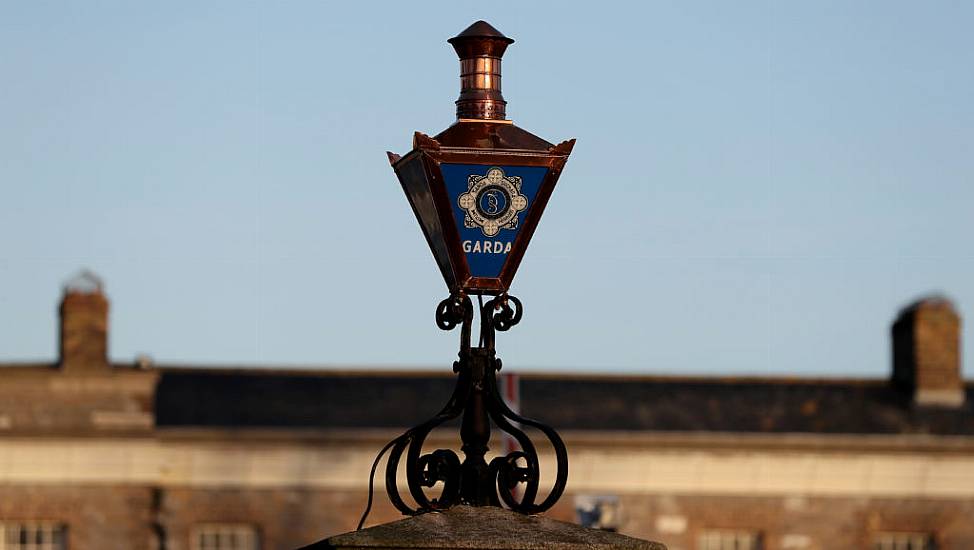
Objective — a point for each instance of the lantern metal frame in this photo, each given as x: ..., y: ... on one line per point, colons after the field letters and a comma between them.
x: 441, y: 231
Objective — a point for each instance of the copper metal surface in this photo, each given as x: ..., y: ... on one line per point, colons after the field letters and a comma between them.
x: 433, y: 154
x: 480, y: 48
x: 480, y: 136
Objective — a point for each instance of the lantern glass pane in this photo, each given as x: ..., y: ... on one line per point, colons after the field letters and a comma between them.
x: 490, y: 204
x: 414, y: 182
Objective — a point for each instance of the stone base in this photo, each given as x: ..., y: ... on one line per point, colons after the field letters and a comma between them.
x: 481, y: 528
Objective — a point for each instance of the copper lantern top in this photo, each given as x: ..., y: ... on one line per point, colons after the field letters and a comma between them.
x: 480, y: 48
x: 479, y: 187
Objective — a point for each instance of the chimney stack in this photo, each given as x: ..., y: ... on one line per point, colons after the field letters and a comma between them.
x: 926, y: 353
x: 84, y: 325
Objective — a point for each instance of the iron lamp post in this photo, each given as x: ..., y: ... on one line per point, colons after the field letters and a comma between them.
x: 478, y: 190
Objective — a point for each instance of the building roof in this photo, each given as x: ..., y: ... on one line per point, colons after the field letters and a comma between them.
x: 188, y: 397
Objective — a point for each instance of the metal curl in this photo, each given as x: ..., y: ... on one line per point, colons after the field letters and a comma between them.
x: 497, y: 314
x: 455, y: 310
x: 452, y: 311
x: 440, y: 465
x: 505, y: 316
x: 509, y: 472
x: 423, y: 470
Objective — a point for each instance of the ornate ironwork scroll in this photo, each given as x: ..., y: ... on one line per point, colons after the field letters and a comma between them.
x: 510, y: 480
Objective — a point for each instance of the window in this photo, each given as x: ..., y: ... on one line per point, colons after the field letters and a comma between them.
x: 33, y: 535
x: 225, y: 536
x: 597, y: 512
x: 903, y: 541
x: 729, y: 540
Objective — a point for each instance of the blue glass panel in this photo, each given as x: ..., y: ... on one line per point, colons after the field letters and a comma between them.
x: 490, y: 204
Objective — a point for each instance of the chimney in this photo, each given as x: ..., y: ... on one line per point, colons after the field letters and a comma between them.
x: 480, y: 48
x: 926, y: 353
x: 84, y: 325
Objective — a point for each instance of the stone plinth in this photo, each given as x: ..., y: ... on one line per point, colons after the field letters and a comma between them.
x: 481, y: 528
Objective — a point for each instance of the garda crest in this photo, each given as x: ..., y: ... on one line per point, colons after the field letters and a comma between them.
x: 492, y: 202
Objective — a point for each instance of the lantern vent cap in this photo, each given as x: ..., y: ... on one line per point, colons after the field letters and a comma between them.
x: 480, y: 29
x: 480, y: 48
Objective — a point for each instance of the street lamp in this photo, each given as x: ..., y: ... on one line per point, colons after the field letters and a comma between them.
x: 478, y: 190
x: 479, y: 187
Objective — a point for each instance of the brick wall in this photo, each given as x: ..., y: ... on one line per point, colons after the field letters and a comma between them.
x: 792, y: 522
x: 123, y: 518
x: 97, y: 517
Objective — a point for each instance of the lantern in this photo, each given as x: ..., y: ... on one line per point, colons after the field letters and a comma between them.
x: 479, y: 188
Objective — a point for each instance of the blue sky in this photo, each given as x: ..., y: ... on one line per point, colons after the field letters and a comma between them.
x: 757, y: 187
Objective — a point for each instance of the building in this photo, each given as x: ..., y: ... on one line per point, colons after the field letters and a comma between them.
x: 96, y: 455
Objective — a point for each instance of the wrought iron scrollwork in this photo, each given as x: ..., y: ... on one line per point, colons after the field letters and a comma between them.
x: 511, y: 480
